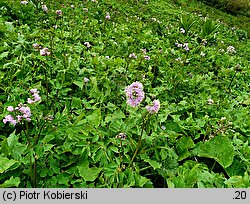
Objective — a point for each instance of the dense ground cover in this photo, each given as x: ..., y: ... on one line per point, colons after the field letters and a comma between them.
x: 67, y: 121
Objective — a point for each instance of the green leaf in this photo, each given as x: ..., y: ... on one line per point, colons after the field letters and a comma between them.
x: 152, y: 163
x: 246, y: 102
x: 12, y: 182
x: 95, y: 118
x: 3, y: 55
x: 89, y: 174
x: 79, y: 83
x: 5, y: 163
x: 219, y: 148
x: 79, y: 118
x: 183, y: 145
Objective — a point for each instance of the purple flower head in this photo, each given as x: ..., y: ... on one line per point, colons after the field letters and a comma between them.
x: 19, y: 118
x: 86, y: 80
x: 178, y: 45
x: 133, y: 56
x: 154, y: 108
x: 44, y: 52
x: 182, y: 30
x: 144, y: 51
x: 34, y: 91
x: 87, y: 44
x: 36, y: 97
x: 231, y: 49
x: 10, y: 108
x: 135, y: 94
x: 146, y: 57
x: 36, y: 46
x: 9, y: 118
x: 45, y: 8
x: 185, y: 46
x: 30, y: 101
x: 59, y: 12
x: 25, y: 110
x: 24, y: 2
x: 107, y: 17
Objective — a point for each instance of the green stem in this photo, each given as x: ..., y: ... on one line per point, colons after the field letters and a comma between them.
x: 232, y: 80
x: 39, y: 133
x: 139, y: 141
x: 213, y: 166
x: 27, y: 136
x: 34, y: 180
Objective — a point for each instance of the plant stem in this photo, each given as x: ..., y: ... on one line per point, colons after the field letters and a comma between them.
x: 232, y: 80
x: 213, y: 166
x: 34, y: 181
x: 39, y: 133
x: 26, y: 135
x: 139, y: 141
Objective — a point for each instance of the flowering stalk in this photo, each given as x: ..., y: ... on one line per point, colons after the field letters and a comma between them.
x: 145, y: 119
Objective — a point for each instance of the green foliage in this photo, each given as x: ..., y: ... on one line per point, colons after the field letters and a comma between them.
x: 208, y: 28
x: 186, y: 22
x: 219, y: 148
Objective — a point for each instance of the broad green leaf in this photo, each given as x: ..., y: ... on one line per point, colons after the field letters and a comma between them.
x: 94, y: 118
x: 79, y: 83
x: 88, y: 174
x: 3, y: 55
x: 219, y: 148
x: 152, y: 163
x: 246, y: 102
x: 12, y: 182
x: 79, y: 118
x: 5, y: 163
x: 183, y: 145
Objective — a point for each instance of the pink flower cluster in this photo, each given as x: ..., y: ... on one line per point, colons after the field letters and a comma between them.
x: 22, y: 111
x: 184, y: 46
x: 135, y: 94
x: 154, y: 108
x: 35, y: 96
x: 43, y: 52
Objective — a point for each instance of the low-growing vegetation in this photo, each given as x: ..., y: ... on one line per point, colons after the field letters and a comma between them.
x: 116, y: 94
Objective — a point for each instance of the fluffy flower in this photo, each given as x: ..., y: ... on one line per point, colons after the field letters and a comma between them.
x: 24, y: 2
x: 9, y: 118
x: 182, y: 30
x: 202, y: 54
x: 86, y: 80
x: 10, y: 108
x: 154, y: 108
x: 30, y: 101
x: 45, y: 8
x: 146, y: 57
x: 210, y: 101
x: 107, y: 17
x: 34, y: 91
x: 133, y: 56
x: 44, y: 52
x: 35, y: 95
x: 231, y: 50
x: 135, y: 94
x: 59, y: 12
x: 185, y: 46
x: 87, y: 44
